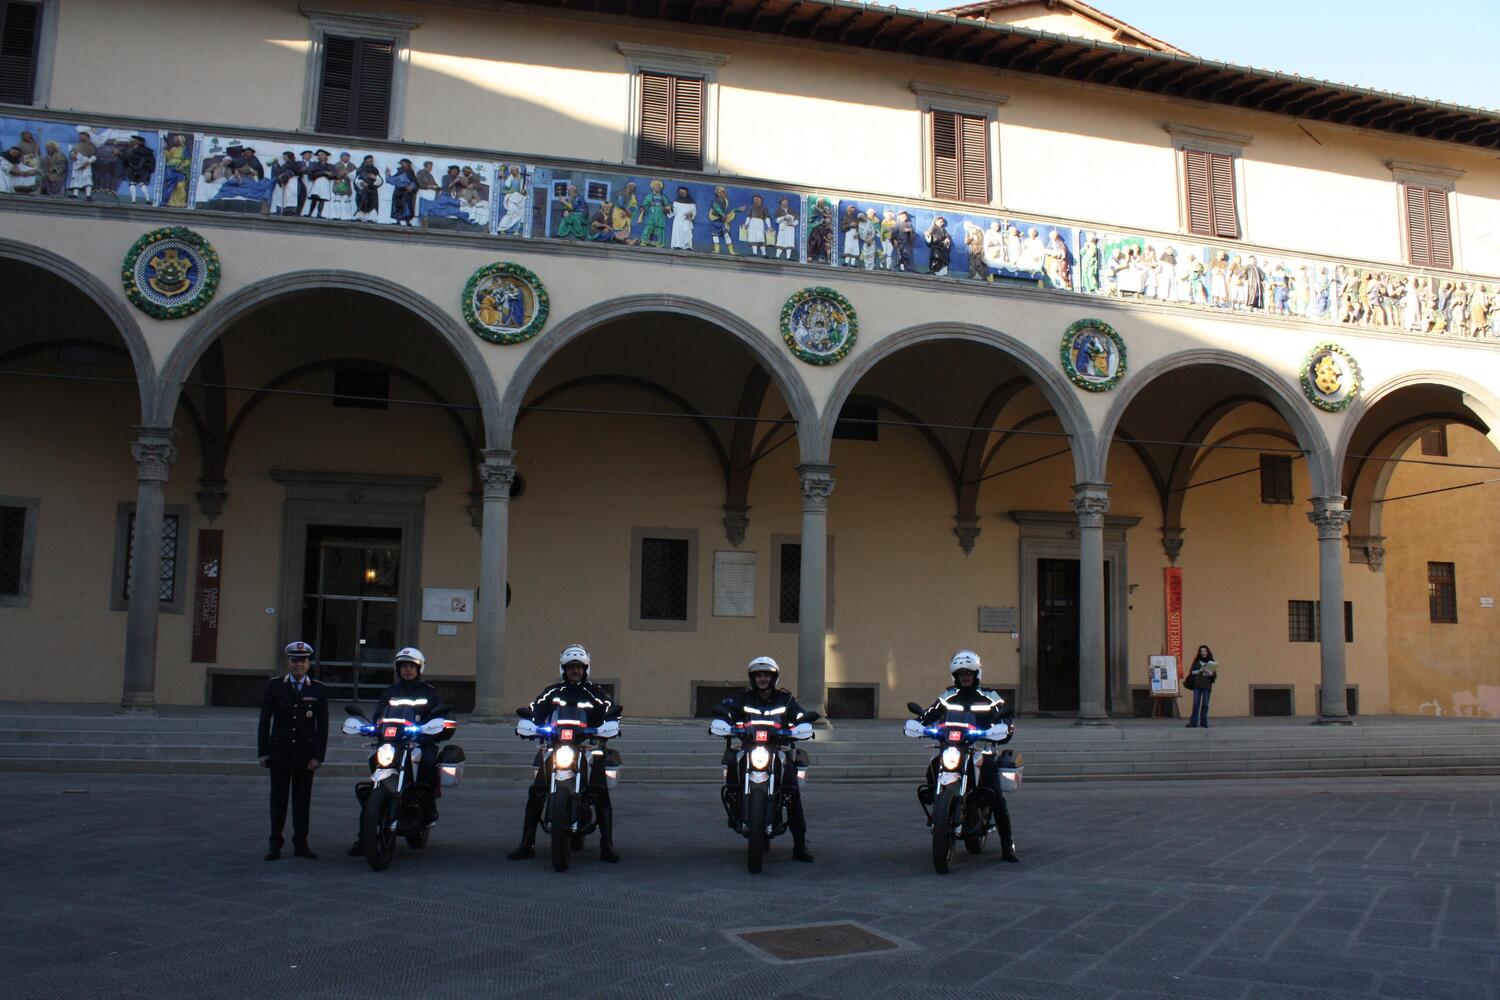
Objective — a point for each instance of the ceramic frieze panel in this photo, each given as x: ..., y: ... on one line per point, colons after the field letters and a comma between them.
x: 102, y: 164
x: 881, y: 236
x: 337, y: 184
x: 512, y: 214
x: 654, y: 211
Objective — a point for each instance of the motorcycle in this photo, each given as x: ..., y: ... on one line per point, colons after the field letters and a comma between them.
x: 757, y: 801
x: 393, y: 803
x: 958, y: 807
x: 572, y: 753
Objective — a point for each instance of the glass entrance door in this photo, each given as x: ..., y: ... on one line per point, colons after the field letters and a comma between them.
x: 352, y: 605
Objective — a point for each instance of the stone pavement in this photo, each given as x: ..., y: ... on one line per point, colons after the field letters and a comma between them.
x: 152, y: 886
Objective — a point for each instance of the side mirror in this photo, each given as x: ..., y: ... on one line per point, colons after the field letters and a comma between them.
x: 614, y: 712
x: 524, y: 712
x: 526, y: 728
x: 914, y: 708
x: 811, y: 716
x: 913, y: 728
x: 353, y: 710
x: 719, y: 727
x: 352, y: 727
x: 434, y: 727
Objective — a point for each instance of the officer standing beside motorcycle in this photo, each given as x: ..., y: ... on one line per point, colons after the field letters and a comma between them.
x: 416, y: 701
x: 764, y: 695
x: 291, y: 741
x: 572, y: 687
x: 988, y: 709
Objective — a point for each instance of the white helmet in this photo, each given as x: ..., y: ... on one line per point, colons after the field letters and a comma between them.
x: 764, y: 665
x: 573, y: 654
x: 966, y: 659
x: 411, y: 654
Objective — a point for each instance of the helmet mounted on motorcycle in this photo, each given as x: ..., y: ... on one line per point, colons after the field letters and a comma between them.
x: 412, y: 655
x: 966, y: 659
x: 763, y: 665
x: 573, y: 654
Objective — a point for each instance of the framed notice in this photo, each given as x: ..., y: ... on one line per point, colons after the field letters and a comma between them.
x: 734, y: 584
x: 443, y: 604
x: 1164, y: 677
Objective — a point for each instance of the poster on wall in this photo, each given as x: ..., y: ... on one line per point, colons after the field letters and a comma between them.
x: 1173, y: 579
x: 206, y: 592
x: 79, y: 161
x: 639, y: 210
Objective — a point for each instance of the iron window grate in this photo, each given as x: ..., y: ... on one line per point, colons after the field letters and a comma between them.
x: 664, y: 579
x: 1442, y: 593
x: 789, y: 600
x: 851, y: 703
x: 166, y: 587
x: 12, y: 535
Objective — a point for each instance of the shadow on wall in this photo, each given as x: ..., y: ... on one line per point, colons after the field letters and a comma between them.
x: 1466, y: 704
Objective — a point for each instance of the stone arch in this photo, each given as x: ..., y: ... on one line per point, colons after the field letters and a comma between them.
x: 109, y: 301
x: 1057, y: 390
x: 767, y: 352
x: 225, y: 313
x: 1281, y: 395
x: 1480, y: 401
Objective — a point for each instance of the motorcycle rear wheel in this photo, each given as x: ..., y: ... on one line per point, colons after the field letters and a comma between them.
x: 756, y: 823
x: 375, y: 831
x: 561, y: 822
x: 944, y: 816
x: 975, y: 844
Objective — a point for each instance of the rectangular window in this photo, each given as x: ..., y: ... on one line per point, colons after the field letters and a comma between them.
x: 1275, y: 479
x: 789, y: 594
x: 354, y: 88
x: 1301, y: 621
x: 171, y: 585
x: 960, y: 157
x: 1271, y: 701
x: 671, y: 121
x: 167, y: 584
x: 20, y: 42
x: 1442, y: 594
x: 663, y: 579
x: 1211, y: 207
x: 1429, y: 240
x: 1435, y: 441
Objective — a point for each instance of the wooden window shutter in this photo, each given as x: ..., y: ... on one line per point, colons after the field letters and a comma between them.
x: 945, y: 160
x: 354, y: 92
x: 20, y: 38
x: 1418, y: 243
x: 974, y: 159
x: 1226, y: 218
x: 671, y: 123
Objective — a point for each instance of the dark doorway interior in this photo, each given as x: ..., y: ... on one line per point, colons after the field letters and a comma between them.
x: 1057, y: 635
x: 351, y: 607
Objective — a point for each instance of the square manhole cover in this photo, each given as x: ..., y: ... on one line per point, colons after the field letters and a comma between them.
x: 814, y: 941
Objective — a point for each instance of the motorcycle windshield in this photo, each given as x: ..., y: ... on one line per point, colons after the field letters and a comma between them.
x: 955, y: 722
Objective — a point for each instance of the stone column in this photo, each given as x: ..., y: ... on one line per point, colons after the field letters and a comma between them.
x: 154, y: 450
x: 497, y: 472
x: 1330, y: 516
x: 812, y: 609
x: 1090, y: 501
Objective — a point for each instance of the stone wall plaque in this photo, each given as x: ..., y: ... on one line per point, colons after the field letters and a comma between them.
x: 444, y: 604
x: 734, y: 584
x: 999, y: 619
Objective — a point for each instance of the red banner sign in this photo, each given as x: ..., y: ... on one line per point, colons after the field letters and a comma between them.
x: 206, y: 596
x: 1173, y: 579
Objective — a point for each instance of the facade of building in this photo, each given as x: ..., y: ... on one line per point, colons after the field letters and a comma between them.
x: 694, y: 332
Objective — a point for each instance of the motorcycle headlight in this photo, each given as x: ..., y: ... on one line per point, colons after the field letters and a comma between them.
x: 385, y: 755
x: 760, y: 758
x: 951, y: 758
x: 563, y: 758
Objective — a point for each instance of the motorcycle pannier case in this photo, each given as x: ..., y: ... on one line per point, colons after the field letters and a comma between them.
x: 1011, y: 764
x: 451, y: 765
x: 611, y: 767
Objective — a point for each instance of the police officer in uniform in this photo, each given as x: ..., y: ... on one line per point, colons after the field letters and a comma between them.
x: 292, y: 741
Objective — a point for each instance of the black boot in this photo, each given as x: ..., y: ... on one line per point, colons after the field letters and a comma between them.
x: 606, y: 814
x: 799, y: 849
x: 1007, y: 845
x: 527, y: 847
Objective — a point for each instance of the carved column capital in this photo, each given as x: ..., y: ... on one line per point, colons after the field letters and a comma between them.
x: 1368, y: 549
x: 817, y: 485
x: 966, y: 527
x: 1171, y: 543
x: 1091, y: 503
x: 211, y: 497
x: 498, y: 473
x: 154, y: 450
x: 736, y: 520
x: 1330, y: 515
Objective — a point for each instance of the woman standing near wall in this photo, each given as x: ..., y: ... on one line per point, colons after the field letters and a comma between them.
x: 1201, y: 675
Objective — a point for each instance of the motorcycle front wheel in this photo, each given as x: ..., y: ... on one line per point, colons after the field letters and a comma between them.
x: 755, y: 822
x: 944, y: 817
x: 375, y: 831
x: 561, y: 820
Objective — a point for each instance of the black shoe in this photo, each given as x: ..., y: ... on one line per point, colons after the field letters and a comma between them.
x: 1008, y: 853
x: 357, y: 851
x: 521, y: 853
x: 607, y: 852
x: 273, y: 854
x: 304, y: 852
x: 800, y: 851
x: 1191, y: 725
